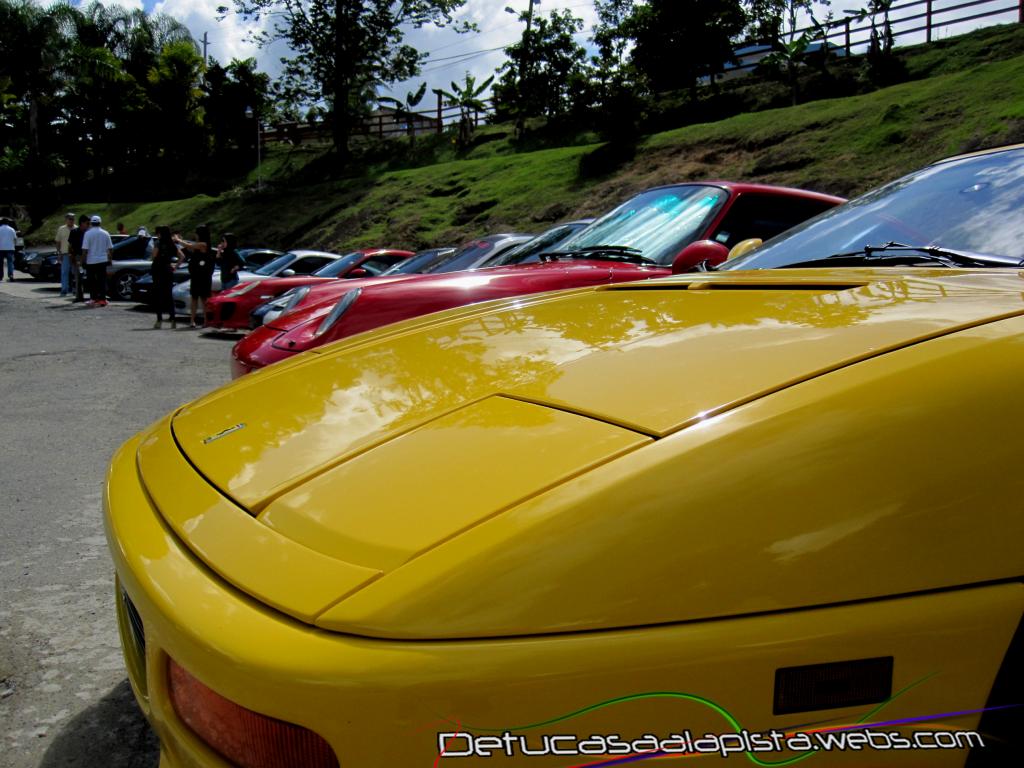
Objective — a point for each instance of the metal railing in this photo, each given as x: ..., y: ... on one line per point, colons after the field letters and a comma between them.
x: 918, y: 21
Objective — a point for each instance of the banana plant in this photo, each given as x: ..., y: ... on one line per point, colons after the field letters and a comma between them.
x: 404, y: 109
x: 467, y: 98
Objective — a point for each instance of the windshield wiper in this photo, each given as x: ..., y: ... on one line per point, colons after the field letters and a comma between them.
x: 892, y: 251
x: 609, y: 252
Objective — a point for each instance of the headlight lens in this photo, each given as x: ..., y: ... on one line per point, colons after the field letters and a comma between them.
x: 340, y: 309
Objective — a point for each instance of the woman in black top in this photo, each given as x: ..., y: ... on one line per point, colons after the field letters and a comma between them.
x: 229, y: 261
x: 166, y: 258
x: 200, y: 269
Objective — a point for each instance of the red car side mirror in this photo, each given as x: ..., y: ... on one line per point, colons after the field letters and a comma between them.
x: 702, y: 250
x: 358, y: 272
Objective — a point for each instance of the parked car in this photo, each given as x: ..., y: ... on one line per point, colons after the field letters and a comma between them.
x: 651, y: 235
x: 297, y: 262
x: 534, y: 250
x: 423, y: 262
x: 472, y: 255
x: 130, y: 260
x: 40, y: 265
x: 253, y: 258
x: 230, y: 309
x: 476, y: 254
x: 737, y: 500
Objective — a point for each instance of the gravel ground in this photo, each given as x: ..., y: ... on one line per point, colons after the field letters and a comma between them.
x: 75, y: 383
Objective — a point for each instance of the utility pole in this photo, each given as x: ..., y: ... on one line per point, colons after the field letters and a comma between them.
x: 206, y: 44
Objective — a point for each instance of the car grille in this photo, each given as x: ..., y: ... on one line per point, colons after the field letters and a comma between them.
x: 134, y: 641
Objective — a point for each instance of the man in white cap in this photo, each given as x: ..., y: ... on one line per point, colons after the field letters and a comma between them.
x: 96, y: 246
x: 63, y: 255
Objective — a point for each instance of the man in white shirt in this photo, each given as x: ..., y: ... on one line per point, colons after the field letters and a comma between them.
x: 63, y: 255
x: 96, y: 247
x: 8, y: 242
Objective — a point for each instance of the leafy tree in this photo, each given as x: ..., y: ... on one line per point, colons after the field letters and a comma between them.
x: 467, y: 98
x: 31, y: 40
x: 174, y: 88
x: 545, y: 72
x: 344, y: 49
x: 228, y: 93
x: 611, y: 36
x: 621, y: 90
x: 679, y: 41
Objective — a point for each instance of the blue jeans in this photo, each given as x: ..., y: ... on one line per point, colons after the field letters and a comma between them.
x: 8, y: 256
x: 65, y: 274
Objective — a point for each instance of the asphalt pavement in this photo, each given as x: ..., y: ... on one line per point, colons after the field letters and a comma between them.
x: 75, y: 383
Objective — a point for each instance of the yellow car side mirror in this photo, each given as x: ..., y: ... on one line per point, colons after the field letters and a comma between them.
x: 744, y: 247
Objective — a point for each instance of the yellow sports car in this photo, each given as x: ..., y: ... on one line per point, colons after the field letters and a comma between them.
x: 772, y: 516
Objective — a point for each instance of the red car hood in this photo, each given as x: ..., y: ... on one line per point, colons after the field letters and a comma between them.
x: 325, y: 292
x: 282, y: 284
x: 420, y: 294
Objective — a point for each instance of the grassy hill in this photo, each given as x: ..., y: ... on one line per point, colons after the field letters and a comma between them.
x: 970, y: 95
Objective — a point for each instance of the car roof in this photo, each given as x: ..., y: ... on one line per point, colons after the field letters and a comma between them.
x: 979, y: 153
x: 741, y: 187
x: 301, y: 252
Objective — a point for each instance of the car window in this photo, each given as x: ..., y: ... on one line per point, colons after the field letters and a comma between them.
x: 971, y: 204
x: 338, y: 267
x: 259, y: 258
x: 422, y: 262
x: 378, y: 264
x: 467, y: 256
x: 531, y: 250
x: 274, y: 266
x: 764, y: 216
x: 307, y: 265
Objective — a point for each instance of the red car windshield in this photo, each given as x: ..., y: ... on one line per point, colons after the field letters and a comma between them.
x: 658, y: 223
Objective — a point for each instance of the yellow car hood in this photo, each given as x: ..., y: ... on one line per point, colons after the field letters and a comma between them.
x: 382, y: 453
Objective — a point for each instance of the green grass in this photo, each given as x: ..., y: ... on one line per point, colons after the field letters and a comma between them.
x: 843, y: 146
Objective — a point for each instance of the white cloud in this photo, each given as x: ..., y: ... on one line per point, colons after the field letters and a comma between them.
x: 228, y: 38
x: 131, y: 5
x: 453, y: 55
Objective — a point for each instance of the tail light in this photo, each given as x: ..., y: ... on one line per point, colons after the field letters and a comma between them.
x: 243, y: 737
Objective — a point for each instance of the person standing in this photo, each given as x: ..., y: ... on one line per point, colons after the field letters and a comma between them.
x: 96, y: 246
x: 75, y: 251
x: 62, y: 242
x: 200, y: 269
x: 229, y: 261
x: 8, y: 243
x: 166, y: 258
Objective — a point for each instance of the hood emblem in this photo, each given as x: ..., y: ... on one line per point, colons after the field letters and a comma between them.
x: 223, y: 433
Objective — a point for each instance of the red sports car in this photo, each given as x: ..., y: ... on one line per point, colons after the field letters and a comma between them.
x: 647, y: 236
x: 230, y: 309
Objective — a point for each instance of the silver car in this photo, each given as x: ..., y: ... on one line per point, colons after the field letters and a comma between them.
x: 287, y: 265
